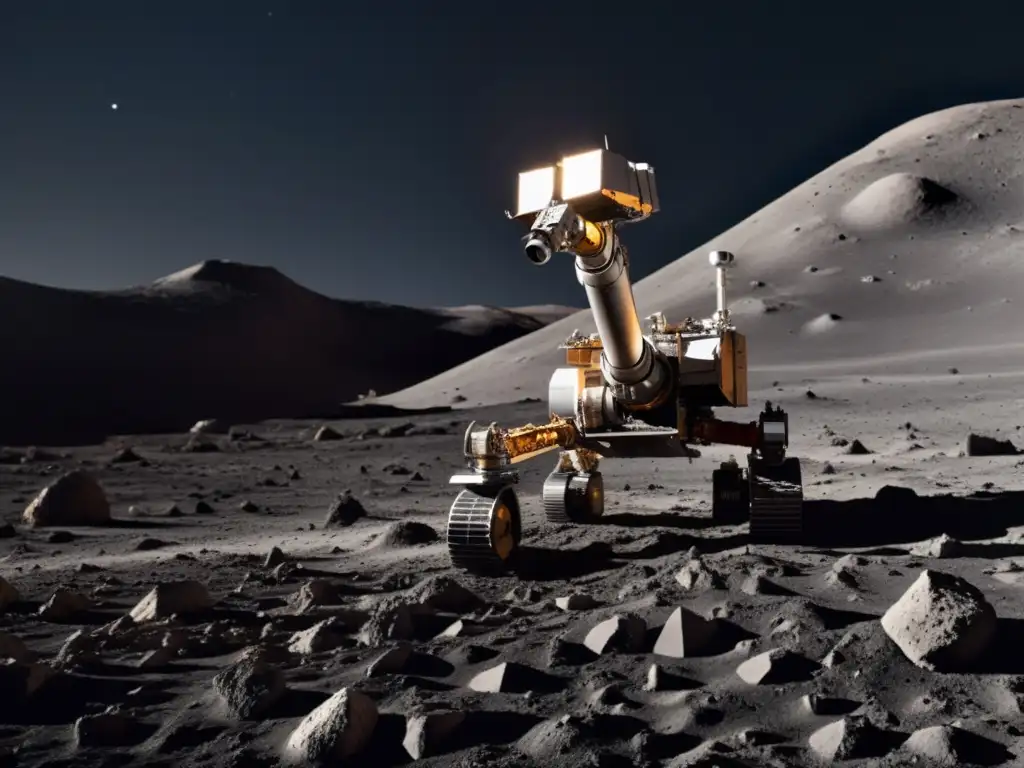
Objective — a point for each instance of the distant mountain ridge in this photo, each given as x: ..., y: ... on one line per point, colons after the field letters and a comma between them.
x: 218, y: 339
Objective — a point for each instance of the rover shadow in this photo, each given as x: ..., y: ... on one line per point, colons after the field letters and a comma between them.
x: 658, y: 520
x: 898, y: 515
x: 542, y: 564
x: 670, y: 543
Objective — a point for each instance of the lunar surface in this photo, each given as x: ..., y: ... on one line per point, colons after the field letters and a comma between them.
x: 274, y: 592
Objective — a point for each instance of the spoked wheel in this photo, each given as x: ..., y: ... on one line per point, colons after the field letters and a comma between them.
x: 573, y: 497
x: 484, y: 529
x: 776, y: 501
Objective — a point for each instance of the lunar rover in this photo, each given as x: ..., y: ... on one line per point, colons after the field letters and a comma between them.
x: 622, y: 393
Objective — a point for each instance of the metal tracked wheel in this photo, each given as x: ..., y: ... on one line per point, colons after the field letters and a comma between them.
x: 484, y: 529
x: 776, y: 502
x: 573, y: 497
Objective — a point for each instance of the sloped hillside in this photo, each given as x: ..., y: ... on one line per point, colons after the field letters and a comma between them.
x: 906, y: 255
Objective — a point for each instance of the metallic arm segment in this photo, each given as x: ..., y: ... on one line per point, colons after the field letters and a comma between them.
x: 493, y: 447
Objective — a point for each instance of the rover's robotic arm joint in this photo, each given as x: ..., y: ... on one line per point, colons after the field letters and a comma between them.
x: 768, y: 437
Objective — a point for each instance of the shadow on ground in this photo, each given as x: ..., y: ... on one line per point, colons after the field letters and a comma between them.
x: 898, y: 515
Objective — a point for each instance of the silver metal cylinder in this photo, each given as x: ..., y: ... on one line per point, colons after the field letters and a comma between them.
x: 720, y: 285
x: 605, y: 279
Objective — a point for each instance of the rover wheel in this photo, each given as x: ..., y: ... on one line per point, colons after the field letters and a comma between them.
x: 484, y: 529
x: 730, y: 496
x: 776, y: 501
x: 573, y: 497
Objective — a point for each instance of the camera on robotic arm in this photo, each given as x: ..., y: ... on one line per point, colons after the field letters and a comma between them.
x: 573, y: 202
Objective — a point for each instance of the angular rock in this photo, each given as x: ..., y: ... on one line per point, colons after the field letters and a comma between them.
x: 210, y: 427
x: 941, y: 623
x: 940, y: 547
x: 251, y: 686
x: 274, y: 558
x: 685, y: 634
x: 315, y: 593
x: 980, y: 445
x: 508, y: 677
x: 80, y: 647
x: 393, y: 619
x: 626, y: 633
x: 576, y: 602
x: 165, y: 600
x: 775, y: 667
x: 833, y: 658
x: 455, y: 629
x: 443, y: 593
x: 344, y: 511
x: 327, y: 433
x: 392, y: 661
x: 339, y: 728
x: 323, y: 636
x: 947, y: 746
x: 75, y: 498
x: 406, y: 533
x: 851, y: 738
x: 107, y: 729
x: 551, y: 740
x: 426, y: 734
x: 697, y: 576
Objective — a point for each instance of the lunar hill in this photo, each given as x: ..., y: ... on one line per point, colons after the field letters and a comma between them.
x: 904, y: 257
x: 219, y: 339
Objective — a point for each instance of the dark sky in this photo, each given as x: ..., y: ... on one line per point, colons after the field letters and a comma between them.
x: 369, y: 149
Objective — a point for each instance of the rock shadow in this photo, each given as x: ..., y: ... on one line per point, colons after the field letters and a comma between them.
x: 295, y: 703
x: 483, y: 728
x: 1004, y: 656
x: 65, y: 698
x: 898, y: 515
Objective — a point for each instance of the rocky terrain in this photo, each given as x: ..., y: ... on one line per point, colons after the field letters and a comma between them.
x: 273, y: 592
x: 281, y: 592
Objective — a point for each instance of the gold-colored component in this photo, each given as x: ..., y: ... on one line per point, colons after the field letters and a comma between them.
x: 583, y: 357
x: 592, y: 240
x: 733, y: 368
x: 628, y: 201
x: 501, y: 535
x: 525, y: 442
x: 579, y: 460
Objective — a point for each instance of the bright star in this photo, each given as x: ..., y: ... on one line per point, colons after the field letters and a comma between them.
x: 113, y: 106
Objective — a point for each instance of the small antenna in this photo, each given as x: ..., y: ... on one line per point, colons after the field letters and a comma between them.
x: 606, y: 141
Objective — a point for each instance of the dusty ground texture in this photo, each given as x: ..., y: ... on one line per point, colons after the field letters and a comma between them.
x: 144, y: 693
